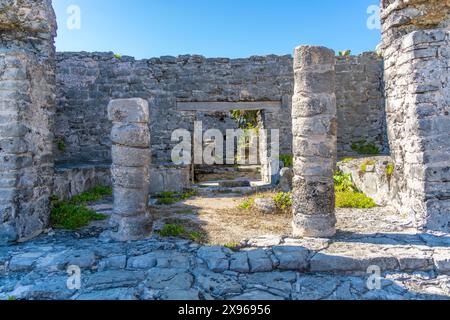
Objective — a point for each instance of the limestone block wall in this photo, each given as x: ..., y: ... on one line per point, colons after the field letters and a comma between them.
x: 87, y: 81
x: 27, y: 105
x: 416, y: 45
x: 360, y: 106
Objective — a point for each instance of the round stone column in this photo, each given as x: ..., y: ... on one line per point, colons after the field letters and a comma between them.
x: 131, y: 157
x: 314, y: 129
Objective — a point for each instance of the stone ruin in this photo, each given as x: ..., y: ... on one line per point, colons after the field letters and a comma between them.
x: 57, y: 135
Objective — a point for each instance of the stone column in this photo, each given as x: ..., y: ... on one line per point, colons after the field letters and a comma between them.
x: 416, y: 49
x: 131, y: 157
x: 314, y: 142
x: 27, y: 106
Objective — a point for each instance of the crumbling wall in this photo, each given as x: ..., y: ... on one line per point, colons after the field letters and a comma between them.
x: 88, y: 81
x: 416, y: 47
x: 27, y: 99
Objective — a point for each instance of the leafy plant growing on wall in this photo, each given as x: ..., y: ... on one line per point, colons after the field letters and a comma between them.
x: 345, y: 53
x: 287, y: 159
x: 60, y: 143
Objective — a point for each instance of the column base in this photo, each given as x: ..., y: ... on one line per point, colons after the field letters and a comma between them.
x: 131, y: 228
x: 314, y: 226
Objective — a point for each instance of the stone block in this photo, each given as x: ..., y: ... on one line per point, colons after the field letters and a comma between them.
x: 130, y: 177
x: 130, y: 157
x: 128, y: 111
x: 131, y: 135
x: 129, y: 202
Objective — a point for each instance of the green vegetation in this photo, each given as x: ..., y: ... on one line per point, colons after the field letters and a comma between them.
x: 68, y: 216
x: 73, y: 214
x: 390, y: 170
x: 362, y: 147
x: 172, y: 230
x: 178, y: 230
x: 346, y: 160
x: 347, y: 195
x: 365, y: 164
x: 246, y: 119
x: 287, y: 159
x: 247, y: 204
x: 345, y: 53
x: 61, y: 145
x: 283, y: 200
x: 354, y: 200
x: 12, y: 298
x: 117, y: 56
x: 233, y: 246
x: 170, y: 197
x: 343, y: 182
x: 95, y: 194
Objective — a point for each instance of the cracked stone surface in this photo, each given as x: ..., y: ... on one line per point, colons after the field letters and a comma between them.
x: 174, y: 269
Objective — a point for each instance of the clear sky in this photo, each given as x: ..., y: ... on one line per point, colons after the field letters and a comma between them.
x: 213, y: 28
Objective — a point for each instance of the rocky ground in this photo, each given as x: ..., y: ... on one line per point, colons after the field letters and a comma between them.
x: 413, y: 266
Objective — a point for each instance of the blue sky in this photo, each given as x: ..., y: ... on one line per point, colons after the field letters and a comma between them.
x: 215, y: 28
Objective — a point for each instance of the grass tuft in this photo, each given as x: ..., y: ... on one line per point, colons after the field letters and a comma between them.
x: 73, y: 214
x: 95, y: 194
x: 68, y: 216
x: 172, y: 230
x: 170, y: 197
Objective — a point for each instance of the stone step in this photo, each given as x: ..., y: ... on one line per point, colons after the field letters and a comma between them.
x: 345, y: 256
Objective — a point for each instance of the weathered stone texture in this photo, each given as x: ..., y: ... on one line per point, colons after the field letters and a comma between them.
x: 361, y: 112
x: 88, y: 81
x: 315, y: 143
x: 130, y: 135
x: 27, y: 102
x: 418, y: 106
x: 400, y: 17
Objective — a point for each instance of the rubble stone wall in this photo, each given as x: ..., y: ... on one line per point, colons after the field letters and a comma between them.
x: 416, y: 44
x: 88, y: 81
x: 27, y: 103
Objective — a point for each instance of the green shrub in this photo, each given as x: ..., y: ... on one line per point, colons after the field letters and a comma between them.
x: 362, y: 147
x: 95, y: 194
x: 65, y: 215
x: 283, y: 200
x: 117, y: 56
x: 343, y: 182
x: 287, y: 159
x: 354, y: 200
x: 172, y: 230
x: 345, y: 53
x: 12, y: 298
x: 247, y: 204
